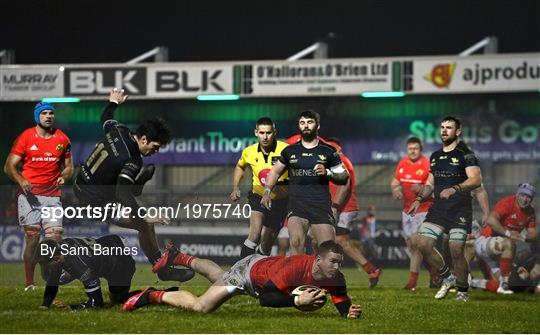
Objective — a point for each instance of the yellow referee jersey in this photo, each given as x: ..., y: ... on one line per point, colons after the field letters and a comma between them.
x: 261, y: 164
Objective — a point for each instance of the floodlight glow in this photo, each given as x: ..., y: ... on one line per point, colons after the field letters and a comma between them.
x: 217, y: 97
x: 61, y: 100
x: 392, y: 94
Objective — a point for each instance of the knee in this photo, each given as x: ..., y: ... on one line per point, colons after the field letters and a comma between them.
x: 55, y: 233
x: 297, y: 241
x: 423, y: 243
x: 31, y: 234
x: 456, y: 250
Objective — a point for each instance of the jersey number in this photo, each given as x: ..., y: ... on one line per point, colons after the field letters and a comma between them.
x: 96, y: 158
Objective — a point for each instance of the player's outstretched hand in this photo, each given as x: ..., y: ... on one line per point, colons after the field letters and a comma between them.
x: 354, y: 312
x: 117, y: 96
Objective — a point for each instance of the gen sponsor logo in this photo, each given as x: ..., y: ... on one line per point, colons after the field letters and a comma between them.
x: 441, y: 75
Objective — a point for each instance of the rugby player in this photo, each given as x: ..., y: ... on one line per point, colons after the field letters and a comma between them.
x: 511, y: 217
x: 524, y: 276
x: 80, y: 259
x: 410, y: 175
x: 455, y: 172
x: 114, y: 173
x: 311, y: 164
x: 44, y: 153
x: 269, y: 279
x: 259, y: 158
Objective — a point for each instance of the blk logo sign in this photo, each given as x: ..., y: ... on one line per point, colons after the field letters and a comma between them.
x: 100, y: 81
x: 189, y: 81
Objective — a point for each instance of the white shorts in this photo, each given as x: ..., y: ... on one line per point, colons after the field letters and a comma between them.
x: 238, y: 277
x: 411, y: 223
x: 487, y: 249
x: 29, y: 210
x: 346, y: 219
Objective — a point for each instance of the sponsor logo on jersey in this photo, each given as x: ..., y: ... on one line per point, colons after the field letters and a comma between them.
x: 307, y: 154
x: 34, y: 148
x: 419, y: 172
x: 454, y: 161
x: 400, y: 170
x: 59, y: 147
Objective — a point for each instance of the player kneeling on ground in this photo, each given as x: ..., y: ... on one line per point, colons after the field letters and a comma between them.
x: 270, y: 279
x: 77, y: 258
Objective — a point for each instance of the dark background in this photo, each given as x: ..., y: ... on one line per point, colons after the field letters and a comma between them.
x: 116, y: 31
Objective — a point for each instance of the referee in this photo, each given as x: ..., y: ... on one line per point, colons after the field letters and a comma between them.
x: 264, y: 225
x: 455, y: 172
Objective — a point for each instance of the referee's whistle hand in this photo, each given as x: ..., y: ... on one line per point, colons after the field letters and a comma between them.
x: 235, y: 195
x: 266, y: 202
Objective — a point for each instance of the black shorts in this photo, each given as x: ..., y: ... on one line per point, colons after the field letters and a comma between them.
x: 272, y: 218
x: 314, y: 212
x: 122, y: 267
x: 454, y: 216
x: 86, y: 196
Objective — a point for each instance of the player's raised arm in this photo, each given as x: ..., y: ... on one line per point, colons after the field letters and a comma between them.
x: 116, y: 97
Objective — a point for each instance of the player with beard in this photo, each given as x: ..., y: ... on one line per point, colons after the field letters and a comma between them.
x: 455, y: 172
x: 44, y: 153
x: 311, y: 165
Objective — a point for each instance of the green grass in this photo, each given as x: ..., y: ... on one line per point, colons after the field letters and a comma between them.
x: 387, y: 309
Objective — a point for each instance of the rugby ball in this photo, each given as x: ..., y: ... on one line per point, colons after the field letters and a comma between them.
x: 315, y: 306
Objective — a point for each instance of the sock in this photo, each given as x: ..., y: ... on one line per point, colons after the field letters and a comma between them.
x: 462, y: 287
x: 479, y: 283
x: 183, y: 259
x: 444, y: 272
x: 506, y: 266
x: 413, y: 279
x: 29, y: 271
x: 433, y: 275
x: 368, y: 267
x: 248, y: 248
x: 259, y: 251
x: 492, y: 285
x: 154, y: 258
x: 156, y: 297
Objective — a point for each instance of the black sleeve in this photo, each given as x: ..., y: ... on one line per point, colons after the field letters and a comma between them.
x: 284, y: 157
x: 49, y: 295
x: 270, y: 296
x: 108, y: 112
x: 343, y: 307
x: 51, y: 289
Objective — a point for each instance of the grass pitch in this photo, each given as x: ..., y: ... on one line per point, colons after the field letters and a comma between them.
x: 386, y: 309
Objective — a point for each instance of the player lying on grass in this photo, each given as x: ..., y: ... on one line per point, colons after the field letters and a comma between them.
x: 80, y: 260
x: 269, y: 279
